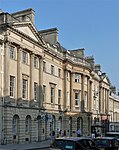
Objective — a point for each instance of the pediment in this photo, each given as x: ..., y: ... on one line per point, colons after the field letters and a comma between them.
x: 26, y: 30
x: 106, y: 80
x: 29, y: 30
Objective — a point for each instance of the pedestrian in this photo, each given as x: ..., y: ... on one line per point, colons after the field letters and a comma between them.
x: 64, y: 133
x: 52, y: 136
x: 67, y: 133
x: 78, y: 132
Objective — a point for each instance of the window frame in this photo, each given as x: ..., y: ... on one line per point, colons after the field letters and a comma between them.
x: 44, y: 93
x: 12, y: 86
x: 77, y: 77
x: 12, y: 52
x: 35, y: 91
x: 24, y: 57
x: 52, y: 70
x: 59, y: 72
x: 59, y: 96
x: 77, y: 100
x: 44, y: 66
x: 24, y: 90
x: 35, y: 62
x: 52, y: 92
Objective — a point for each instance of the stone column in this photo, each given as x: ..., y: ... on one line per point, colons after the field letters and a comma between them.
x: 6, y: 71
x: 65, y: 87
x: 82, y: 92
x: 41, y: 82
x: 90, y: 96
x: 19, y: 73
x: 100, y: 100
x: 31, y: 77
x: 71, y: 104
x: 107, y: 101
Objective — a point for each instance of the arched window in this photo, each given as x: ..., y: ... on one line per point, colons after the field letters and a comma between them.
x: 27, y: 123
x: 15, y: 124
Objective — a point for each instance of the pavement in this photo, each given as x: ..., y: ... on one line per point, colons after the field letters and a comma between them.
x: 26, y: 146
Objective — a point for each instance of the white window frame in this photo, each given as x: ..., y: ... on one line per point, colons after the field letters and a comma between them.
x: 24, y: 57
x: 12, y: 52
x: 77, y: 77
x: 24, y: 88
x: 12, y: 86
x: 77, y: 99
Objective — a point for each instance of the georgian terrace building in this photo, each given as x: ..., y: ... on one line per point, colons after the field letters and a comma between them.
x: 114, y: 109
x: 45, y: 87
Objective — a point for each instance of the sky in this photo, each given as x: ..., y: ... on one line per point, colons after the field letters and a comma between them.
x: 89, y: 24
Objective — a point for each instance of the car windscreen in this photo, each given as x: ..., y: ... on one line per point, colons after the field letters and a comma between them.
x: 102, y: 142
x: 112, y: 135
x: 64, y: 144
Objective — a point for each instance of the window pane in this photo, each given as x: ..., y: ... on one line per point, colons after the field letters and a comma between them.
x: 52, y: 95
x: 35, y: 90
x: 12, y: 86
x: 44, y: 92
x: 12, y: 52
x: 24, y: 88
x: 24, y: 57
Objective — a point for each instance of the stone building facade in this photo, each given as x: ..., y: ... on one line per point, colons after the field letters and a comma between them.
x: 44, y: 86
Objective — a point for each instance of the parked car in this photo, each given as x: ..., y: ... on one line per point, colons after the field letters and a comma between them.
x: 112, y: 134
x: 106, y: 143
x: 73, y: 143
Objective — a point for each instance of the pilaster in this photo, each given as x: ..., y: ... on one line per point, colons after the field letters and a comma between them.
x: 19, y: 73
x: 31, y: 77
x: 41, y: 82
x: 6, y: 71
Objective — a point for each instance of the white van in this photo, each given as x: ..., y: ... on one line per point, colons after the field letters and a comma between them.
x: 112, y: 134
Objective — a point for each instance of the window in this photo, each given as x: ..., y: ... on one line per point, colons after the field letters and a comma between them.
x: 12, y: 52
x: 12, y: 84
x: 27, y: 124
x: 52, y: 69
x: 15, y: 124
x: 85, y: 80
x: 24, y: 57
x: 24, y: 88
x: 35, y: 62
x: 77, y: 98
x: 85, y: 99
x: 77, y: 77
x: 59, y: 73
x: 52, y: 95
x: 59, y: 96
x: 35, y: 90
x: 44, y: 92
x: 44, y: 66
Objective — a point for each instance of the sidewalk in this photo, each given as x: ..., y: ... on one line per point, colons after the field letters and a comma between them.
x: 26, y: 146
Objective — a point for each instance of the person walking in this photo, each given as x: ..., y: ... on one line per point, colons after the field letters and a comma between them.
x: 78, y: 132
x: 52, y: 136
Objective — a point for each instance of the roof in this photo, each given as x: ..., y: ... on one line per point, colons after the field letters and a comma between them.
x: 104, y: 138
x: 72, y: 138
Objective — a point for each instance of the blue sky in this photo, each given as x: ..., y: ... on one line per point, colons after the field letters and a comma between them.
x: 89, y: 24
